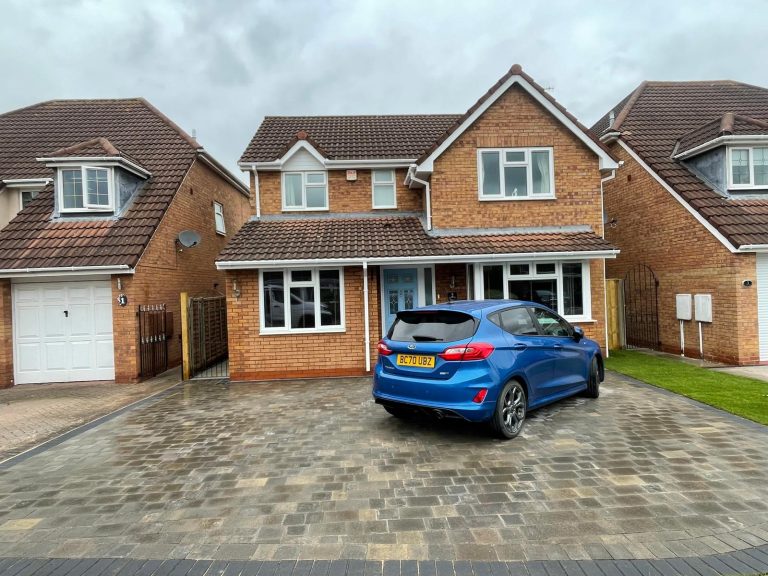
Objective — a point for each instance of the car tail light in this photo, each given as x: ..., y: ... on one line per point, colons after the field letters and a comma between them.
x: 480, y: 396
x: 383, y: 348
x: 473, y: 351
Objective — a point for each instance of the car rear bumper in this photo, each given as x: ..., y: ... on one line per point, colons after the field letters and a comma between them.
x: 441, y: 398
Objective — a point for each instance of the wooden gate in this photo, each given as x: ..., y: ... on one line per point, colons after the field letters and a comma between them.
x: 153, y: 339
x: 614, y: 299
x: 641, y: 307
x: 204, y: 331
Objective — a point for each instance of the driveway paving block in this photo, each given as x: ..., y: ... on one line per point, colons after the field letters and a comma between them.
x: 313, y: 470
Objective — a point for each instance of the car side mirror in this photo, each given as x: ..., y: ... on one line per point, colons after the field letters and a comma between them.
x: 578, y: 333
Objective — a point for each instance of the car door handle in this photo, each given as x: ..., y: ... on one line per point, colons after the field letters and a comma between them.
x: 519, y: 346
x: 558, y: 346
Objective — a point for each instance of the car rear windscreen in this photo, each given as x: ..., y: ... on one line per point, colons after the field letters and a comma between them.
x: 432, y: 326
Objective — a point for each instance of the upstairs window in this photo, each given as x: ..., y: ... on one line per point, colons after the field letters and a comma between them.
x: 384, y: 192
x: 516, y: 173
x: 218, y: 217
x: 305, y: 191
x: 748, y: 168
x: 27, y: 196
x: 85, y: 188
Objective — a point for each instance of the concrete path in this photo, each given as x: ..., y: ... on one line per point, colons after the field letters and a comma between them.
x: 314, y: 470
x: 33, y: 413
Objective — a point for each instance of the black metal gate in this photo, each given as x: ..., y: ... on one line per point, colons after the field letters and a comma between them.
x: 641, y: 307
x: 153, y: 339
x: 208, y: 347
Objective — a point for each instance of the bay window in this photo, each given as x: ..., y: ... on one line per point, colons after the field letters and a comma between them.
x: 515, y: 173
x: 305, y: 191
x: 748, y: 167
x: 306, y: 300
x: 85, y: 188
x: 562, y: 286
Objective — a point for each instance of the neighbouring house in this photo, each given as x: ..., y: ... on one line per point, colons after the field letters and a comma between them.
x: 689, y: 211
x: 358, y: 217
x: 106, y: 187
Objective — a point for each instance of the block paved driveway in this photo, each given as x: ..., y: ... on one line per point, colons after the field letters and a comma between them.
x: 314, y: 470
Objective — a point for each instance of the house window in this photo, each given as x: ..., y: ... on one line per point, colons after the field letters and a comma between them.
x: 314, y: 297
x: 384, y: 194
x: 516, y: 173
x: 305, y: 191
x: 562, y: 286
x: 85, y: 188
x: 27, y: 196
x: 748, y: 167
x: 218, y: 217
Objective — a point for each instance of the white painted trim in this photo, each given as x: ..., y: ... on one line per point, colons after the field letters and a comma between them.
x: 393, y: 182
x: 743, y: 139
x: 605, y: 161
x: 304, y: 186
x: 526, y: 163
x: 218, y: 209
x: 411, y: 177
x: 65, y: 271
x: 366, y: 319
x: 406, y: 260
x: 315, y: 284
x: 420, y: 292
x: 105, y: 160
x: 723, y: 240
x: 333, y: 164
x: 257, y: 190
x: 87, y: 208
x: 751, y: 166
x: 27, y: 182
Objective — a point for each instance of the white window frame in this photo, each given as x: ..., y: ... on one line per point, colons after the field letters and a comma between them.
x: 391, y: 182
x: 529, y: 174
x: 22, y: 191
x: 729, y: 168
x: 586, y: 283
x: 218, y: 211
x: 287, y: 285
x: 86, y: 206
x: 304, y: 186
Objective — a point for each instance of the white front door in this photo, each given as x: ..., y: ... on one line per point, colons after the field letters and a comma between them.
x: 63, y: 332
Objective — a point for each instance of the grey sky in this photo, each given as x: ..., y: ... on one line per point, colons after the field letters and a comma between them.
x: 219, y: 66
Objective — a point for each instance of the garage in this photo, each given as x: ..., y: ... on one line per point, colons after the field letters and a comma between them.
x: 62, y: 332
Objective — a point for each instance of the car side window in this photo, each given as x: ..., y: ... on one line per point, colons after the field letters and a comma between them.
x: 551, y: 324
x: 518, y: 321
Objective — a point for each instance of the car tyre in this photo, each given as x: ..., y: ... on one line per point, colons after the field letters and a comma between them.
x: 511, y: 407
x: 593, y: 382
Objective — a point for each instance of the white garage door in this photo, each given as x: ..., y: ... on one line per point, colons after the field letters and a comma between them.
x: 63, y: 332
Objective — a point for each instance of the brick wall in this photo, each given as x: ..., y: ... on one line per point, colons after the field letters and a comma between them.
x: 516, y: 119
x: 343, y: 196
x: 653, y: 228
x: 6, y: 338
x: 164, y: 272
x: 255, y: 357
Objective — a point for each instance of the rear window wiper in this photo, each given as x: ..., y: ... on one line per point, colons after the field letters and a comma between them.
x: 418, y: 338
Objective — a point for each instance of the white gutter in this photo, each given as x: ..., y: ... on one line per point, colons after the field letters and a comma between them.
x: 602, y: 200
x: 427, y: 194
x: 366, y: 321
x: 333, y: 164
x: 720, y: 140
x: 54, y: 162
x: 753, y: 248
x: 457, y: 258
x: 257, y: 191
x: 65, y: 271
x: 27, y: 182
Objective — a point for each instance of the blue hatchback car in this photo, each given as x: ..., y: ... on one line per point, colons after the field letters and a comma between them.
x: 483, y: 361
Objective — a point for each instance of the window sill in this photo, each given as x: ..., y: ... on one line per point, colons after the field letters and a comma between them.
x: 305, y: 209
x: 516, y: 198
x: 221, y: 233
x: 580, y: 320
x: 384, y: 208
x: 299, y: 331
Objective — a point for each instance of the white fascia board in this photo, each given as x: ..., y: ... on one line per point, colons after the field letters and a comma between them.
x: 27, y: 182
x: 108, y: 160
x: 703, y: 221
x: 463, y: 258
x: 606, y: 162
x: 743, y: 139
x: 65, y: 271
x: 751, y: 248
x: 333, y: 164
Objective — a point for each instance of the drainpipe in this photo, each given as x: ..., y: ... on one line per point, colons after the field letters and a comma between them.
x: 366, y: 321
x: 602, y: 202
x: 427, y: 193
x: 605, y: 284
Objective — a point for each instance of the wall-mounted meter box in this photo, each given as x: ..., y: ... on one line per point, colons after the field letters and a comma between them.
x: 703, y: 305
x: 683, y: 306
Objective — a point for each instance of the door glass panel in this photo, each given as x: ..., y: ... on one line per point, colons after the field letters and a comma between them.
x: 407, y: 299
x: 393, y: 301
x: 427, y: 286
x: 573, y: 292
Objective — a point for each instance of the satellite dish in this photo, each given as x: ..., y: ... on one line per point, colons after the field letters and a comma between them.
x: 188, y: 238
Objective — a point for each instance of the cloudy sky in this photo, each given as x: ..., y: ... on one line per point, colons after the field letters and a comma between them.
x: 219, y: 66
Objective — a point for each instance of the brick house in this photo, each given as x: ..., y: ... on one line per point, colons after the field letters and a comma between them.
x: 109, y: 186
x: 357, y: 217
x: 690, y: 207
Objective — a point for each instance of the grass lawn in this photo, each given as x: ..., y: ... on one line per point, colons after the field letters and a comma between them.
x: 742, y: 396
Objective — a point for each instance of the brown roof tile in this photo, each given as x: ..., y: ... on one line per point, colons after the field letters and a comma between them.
x: 384, y: 237
x: 133, y: 128
x: 659, y: 114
